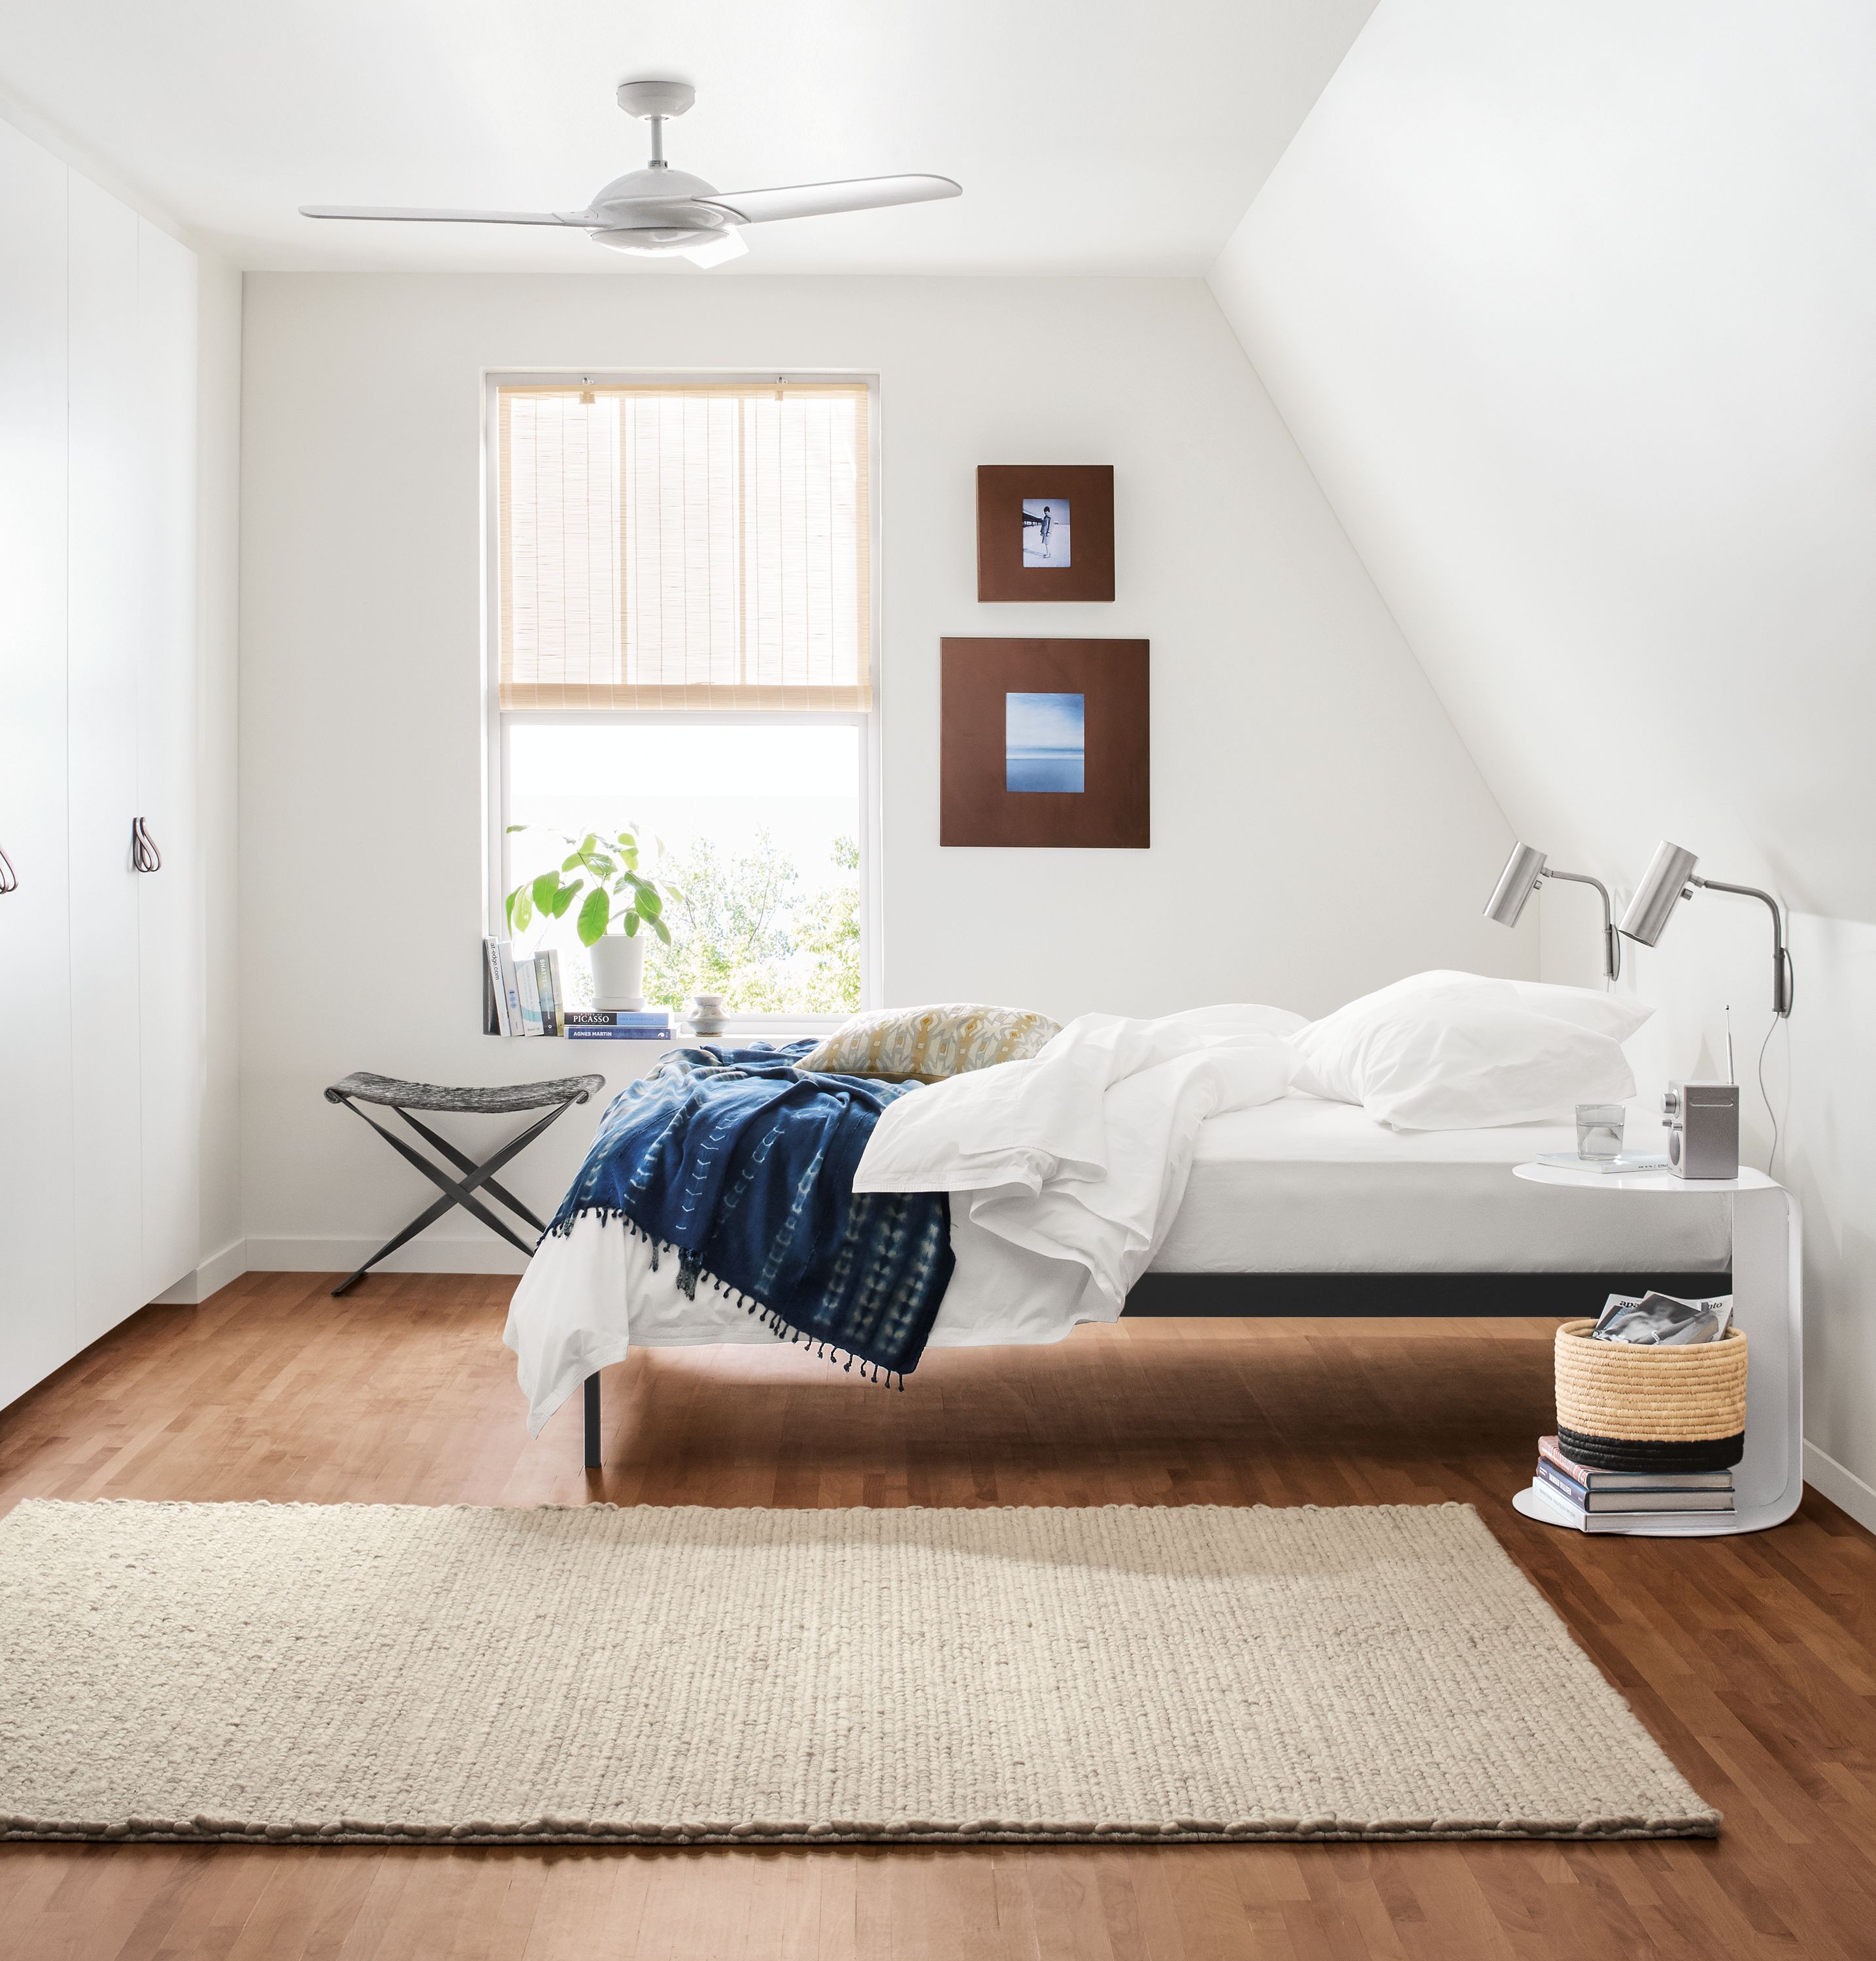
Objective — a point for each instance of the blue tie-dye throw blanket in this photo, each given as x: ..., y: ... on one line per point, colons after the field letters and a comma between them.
x: 743, y: 1165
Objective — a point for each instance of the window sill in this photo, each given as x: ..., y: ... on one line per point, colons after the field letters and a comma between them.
x: 786, y: 1028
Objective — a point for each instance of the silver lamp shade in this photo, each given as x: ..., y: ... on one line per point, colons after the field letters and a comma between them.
x: 1516, y: 884
x: 1663, y: 885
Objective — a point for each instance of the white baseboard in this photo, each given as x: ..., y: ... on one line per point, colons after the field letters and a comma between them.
x: 1842, y: 1486
x: 430, y: 1253
x: 210, y: 1277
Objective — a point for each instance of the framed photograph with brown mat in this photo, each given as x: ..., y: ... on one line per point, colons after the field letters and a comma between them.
x: 1045, y: 742
x: 1046, y: 532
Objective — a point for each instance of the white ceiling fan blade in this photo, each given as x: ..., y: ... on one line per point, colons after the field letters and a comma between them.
x: 758, y: 207
x: 399, y: 214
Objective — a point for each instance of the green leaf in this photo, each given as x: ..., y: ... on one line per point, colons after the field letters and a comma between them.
x: 513, y: 828
x: 587, y: 843
x: 545, y: 888
x: 649, y: 903
x: 628, y: 924
x: 574, y: 862
x: 520, y: 909
x: 595, y: 916
x: 662, y: 931
x: 565, y: 897
x: 508, y: 906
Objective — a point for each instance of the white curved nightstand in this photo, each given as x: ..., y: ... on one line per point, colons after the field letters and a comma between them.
x: 1768, y: 1308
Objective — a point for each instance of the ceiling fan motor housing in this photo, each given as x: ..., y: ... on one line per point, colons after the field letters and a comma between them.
x: 643, y: 212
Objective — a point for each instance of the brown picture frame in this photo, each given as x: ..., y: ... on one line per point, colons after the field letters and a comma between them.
x: 1112, y: 811
x: 1002, y: 489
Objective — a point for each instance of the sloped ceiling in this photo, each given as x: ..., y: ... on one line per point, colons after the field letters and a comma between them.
x: 1103, y: 136
x: 1572, y: 309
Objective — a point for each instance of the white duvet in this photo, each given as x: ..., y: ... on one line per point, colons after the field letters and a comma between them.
x: 1065, y: 1173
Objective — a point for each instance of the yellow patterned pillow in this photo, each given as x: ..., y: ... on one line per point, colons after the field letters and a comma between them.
x: 927, y: 1045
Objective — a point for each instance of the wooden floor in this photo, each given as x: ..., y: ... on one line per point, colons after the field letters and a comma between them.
x: 1754, y: 1659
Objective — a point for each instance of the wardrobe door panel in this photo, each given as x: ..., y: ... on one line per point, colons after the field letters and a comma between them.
x: 169, y: 921
x: 106, y: 576
x: 36, y: 1136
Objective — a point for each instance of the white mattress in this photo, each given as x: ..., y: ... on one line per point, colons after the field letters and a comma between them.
x: 1304, y: 1186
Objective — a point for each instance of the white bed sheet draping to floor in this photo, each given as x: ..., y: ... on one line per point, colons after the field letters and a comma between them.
x: 1065, y: 1173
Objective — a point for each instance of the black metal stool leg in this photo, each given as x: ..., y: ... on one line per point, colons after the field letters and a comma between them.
x: 592, y: 1421
x: 489, y: 1184
x: 427, y: 1217
x: 455, y: 1191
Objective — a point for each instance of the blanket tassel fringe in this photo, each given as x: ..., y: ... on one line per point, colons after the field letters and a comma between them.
x: 688, y: 1274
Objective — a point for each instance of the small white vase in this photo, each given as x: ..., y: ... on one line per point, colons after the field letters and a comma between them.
x: 619, y: 971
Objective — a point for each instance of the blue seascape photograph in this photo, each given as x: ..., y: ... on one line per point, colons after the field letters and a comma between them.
x: 1043, y: 745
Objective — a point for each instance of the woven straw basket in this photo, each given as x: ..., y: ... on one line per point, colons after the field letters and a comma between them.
x: 1621, y: 1407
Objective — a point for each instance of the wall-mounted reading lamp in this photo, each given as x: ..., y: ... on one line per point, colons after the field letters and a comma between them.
x: 1524, y: 871
x: 1669, y: 879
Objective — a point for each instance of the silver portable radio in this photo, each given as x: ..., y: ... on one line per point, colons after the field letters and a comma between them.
x: 1702, y: 1120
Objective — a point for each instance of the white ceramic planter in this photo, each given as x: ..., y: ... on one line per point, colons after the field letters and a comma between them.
x: 619, y: 971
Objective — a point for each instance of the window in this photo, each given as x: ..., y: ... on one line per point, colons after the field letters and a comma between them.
x: 682, y: 599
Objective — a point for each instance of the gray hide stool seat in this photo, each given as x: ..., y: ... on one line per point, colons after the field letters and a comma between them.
x: 555, y: 1098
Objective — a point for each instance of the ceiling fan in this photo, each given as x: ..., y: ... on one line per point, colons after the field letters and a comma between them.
x: 658, y: 212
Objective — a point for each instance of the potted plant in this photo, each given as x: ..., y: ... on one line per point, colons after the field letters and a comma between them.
x: 617, y: 895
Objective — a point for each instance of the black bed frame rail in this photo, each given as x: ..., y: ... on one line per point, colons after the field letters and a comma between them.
x: 1240, y: 1296
x: 1246, y: 1296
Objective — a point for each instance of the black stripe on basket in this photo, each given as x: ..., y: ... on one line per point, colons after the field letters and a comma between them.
x: 1627, y: 1453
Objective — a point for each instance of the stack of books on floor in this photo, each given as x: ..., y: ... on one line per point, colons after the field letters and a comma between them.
x: 619, y: 1025
x: 1607, y: 1500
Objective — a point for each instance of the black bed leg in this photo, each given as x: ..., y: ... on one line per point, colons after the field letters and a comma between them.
x: 592, y: 1421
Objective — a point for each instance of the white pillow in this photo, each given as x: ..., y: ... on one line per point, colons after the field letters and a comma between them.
x: 1616, y: 1015
x: 1449, y: 1051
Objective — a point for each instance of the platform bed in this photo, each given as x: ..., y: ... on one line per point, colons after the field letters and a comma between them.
x: 1297, y: 1207
x: 1242, y: 1296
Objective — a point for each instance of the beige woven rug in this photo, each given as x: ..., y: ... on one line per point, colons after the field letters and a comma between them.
x: 369, y: 1672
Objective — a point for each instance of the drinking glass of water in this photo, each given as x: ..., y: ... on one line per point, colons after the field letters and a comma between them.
x: 1599, y: 1130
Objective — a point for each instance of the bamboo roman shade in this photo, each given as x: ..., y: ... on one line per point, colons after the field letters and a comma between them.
x: 676, y: 546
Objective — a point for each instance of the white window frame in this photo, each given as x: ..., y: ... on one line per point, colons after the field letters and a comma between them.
x: 497, y: 721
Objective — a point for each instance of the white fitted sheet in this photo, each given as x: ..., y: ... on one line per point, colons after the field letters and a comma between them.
x: 1302, y: 1186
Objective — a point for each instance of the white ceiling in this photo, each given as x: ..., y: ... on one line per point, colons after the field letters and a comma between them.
x: 1090, y: 135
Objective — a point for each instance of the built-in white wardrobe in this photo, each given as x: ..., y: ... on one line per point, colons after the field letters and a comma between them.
x: 101, y: 1036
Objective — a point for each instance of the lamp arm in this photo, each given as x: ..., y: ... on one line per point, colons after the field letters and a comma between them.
x: 1611, y: 943
x: 1780, y: 957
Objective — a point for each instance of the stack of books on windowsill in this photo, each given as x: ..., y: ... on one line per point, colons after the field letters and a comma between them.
x: 1606, y: 1500
x: 619, y: 1025
x: 521, y: 997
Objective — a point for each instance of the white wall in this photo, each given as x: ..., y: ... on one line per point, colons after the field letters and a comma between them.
x: 218, y: 533
x: 1571, y: 310
x: 1317, y: 827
